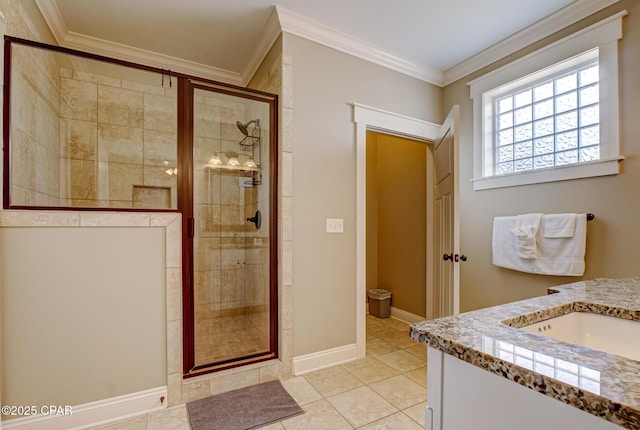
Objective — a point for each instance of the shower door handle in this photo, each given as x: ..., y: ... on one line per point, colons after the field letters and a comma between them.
x: 191, y: 227
x: 256, y: 219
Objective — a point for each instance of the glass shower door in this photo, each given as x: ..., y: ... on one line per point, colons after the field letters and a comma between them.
x: 234, y: 299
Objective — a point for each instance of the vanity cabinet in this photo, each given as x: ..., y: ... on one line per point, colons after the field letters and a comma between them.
x: 462, y: 396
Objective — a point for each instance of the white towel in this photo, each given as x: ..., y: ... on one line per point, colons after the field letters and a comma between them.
x: 555, y: 256
x: 525, y: 232
x: 559, y: 225
x: 503, y: 245
x: 564, y: 256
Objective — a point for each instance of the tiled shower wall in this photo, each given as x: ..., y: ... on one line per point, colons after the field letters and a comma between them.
x: 35, y: 125
x: 117, y: 140
x: 116, y: 137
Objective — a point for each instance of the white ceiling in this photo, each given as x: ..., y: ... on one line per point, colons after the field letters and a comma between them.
x: 427, y: 37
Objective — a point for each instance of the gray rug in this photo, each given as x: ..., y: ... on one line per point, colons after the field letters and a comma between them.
x: 243, y: 409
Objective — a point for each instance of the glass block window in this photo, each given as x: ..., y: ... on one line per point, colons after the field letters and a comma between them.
x: 552, y: 115
x: 555, y: 122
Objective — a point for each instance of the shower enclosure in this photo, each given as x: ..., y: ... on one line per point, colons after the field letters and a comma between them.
x: 234, y: 295
x: 87, y: 132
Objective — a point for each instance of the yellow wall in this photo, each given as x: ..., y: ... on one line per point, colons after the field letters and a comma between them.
x: 396, y: 220
x: 613, y: 238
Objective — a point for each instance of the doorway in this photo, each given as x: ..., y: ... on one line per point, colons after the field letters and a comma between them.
x: 396, y: 222
x: 371, y: 119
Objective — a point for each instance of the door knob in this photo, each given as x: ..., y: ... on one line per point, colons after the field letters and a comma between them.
x: 462, y: 257
x: 447, y: 257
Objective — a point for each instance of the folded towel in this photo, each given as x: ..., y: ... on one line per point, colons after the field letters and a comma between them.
x: 503, y: 246
x: 525, y: 231
x: 555, y: 256
x: 558, y: 225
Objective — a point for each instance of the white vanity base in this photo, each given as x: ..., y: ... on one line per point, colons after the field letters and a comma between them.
x: 462, y: 396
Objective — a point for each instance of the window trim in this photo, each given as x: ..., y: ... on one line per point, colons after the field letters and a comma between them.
x: 604, y: 36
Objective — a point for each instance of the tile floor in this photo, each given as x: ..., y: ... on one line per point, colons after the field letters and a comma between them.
x: 384, y: 391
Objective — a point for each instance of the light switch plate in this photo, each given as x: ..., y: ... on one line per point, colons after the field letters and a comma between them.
x: 335, y: 225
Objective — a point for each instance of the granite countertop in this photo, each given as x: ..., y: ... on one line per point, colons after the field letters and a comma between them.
x: 605, y: 385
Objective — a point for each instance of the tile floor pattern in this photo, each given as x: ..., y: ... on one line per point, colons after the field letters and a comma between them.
x: 384, y: 391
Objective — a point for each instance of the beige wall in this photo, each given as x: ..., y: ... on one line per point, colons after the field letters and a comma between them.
x: 613, y: 238
x: 325, y: 83
x: 69, y: 296
x: 396, y: 220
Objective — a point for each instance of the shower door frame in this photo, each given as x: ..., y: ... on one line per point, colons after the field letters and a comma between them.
x: 186, y: 88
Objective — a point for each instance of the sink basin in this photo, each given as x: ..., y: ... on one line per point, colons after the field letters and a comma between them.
x: 604, y: 333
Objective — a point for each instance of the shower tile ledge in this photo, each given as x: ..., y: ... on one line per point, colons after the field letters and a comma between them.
x: 468, y: 336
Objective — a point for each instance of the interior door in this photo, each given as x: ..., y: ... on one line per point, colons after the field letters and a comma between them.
x: 446, y: 233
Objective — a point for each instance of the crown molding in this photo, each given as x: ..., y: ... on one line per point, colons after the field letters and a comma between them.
x: 270, y: 33
x: 69, y: 39
x: 149, y: 58
x: 563, y: 18
x: 53, y: 18
x: 303, y: 27
x: 282, y: 20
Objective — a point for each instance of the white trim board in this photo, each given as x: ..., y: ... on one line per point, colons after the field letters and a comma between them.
x: 323, y: 359
x: 95, y: 413
x: 370, y: 118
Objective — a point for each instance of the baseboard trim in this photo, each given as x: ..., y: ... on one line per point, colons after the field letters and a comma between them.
x: 95, y: 413
x: 405, y: 316
x: 322, y: 359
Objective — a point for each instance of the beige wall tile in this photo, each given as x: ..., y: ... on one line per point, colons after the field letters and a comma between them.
x: 155, y: 197
x: 194, y: 390
x: 96, y: 79
x: 118, y: 144
x: 160, y: 113
x: 160, y: 147
x: 78, y: 100
x: 16, y: 218
x: 271, y: 372
x: 206, y: 121
x: 174, y: 389
x: 174, y: 347
x: 145, y: 88
x: 118, y: 106
x: 232, y: 381
x: 81, y: 179
x: 78, y: 139
x: 102, y: 219
x: 174, y: 294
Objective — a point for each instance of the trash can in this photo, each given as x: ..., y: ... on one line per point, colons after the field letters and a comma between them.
x: 379, y: 302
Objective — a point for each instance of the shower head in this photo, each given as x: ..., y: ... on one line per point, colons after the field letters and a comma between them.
x: 244, y: 128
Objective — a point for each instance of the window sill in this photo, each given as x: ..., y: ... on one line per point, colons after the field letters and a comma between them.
x: 603, y: 167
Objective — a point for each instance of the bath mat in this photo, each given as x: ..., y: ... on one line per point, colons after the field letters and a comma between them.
x: 243, y: 409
